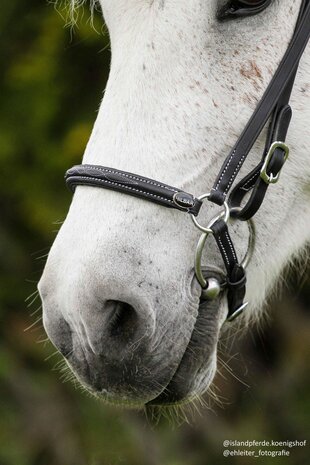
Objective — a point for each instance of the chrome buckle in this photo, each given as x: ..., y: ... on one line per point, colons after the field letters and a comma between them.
x: 270, y: 178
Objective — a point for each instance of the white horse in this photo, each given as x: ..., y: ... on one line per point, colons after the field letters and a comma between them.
x: 120, y: 299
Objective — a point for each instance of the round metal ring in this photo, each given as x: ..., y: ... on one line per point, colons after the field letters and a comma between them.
x: 224, y: 214
x: 201, y: 244
x: 252, y: 238
x: 198, y: 257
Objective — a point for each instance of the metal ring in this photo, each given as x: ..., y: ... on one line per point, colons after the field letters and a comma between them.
x: 198, y: 257
x: 224, y: 214
x: 202, y: 240
x: 252, y: 238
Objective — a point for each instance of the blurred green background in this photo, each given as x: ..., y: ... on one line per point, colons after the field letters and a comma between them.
x: 52, y: 81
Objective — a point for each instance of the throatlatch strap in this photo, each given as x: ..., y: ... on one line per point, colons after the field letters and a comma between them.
x: 266, y: 106
x: 132, y: 184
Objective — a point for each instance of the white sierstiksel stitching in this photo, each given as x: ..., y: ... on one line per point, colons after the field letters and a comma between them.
x: 123, y: 186
x: 246, y: 186
x: 226, y: 168
x: 231, y: 246
x: 134, y: 177
x: 224, y: 251
x: 232, y: 178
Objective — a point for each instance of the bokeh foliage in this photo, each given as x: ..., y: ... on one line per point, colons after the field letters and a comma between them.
x: 52, y: 81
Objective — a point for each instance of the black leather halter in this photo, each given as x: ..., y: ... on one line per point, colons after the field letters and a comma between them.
x: 274, y: 106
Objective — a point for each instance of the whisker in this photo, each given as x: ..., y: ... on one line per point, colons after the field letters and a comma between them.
x: 33, y: 324
x: 36, y: 310
x: 32, y: 298
x: 42, y: 256
x: 230, y: 371
x: 51, y: 355
x: 43, y: 341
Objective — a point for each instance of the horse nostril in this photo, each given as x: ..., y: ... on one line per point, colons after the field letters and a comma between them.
x: 122, y: 320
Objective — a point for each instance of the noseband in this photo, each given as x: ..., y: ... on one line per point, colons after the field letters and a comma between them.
x: 274, y: 106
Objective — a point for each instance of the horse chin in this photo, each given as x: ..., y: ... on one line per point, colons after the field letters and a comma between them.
x: 197, y: 368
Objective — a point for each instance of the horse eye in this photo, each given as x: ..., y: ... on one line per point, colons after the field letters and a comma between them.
x: 241, y: 8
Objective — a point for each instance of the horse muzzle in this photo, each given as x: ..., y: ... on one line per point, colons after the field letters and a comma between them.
x: 119, y: 356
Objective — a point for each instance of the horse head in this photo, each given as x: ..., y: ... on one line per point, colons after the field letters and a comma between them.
x: 120, y: 297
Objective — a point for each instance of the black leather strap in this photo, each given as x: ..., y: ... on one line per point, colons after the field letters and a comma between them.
x: 278, y: 129
x: 132, y: 184
x: 281, y: 80
x: 236, y: 277
x: 253, y: 181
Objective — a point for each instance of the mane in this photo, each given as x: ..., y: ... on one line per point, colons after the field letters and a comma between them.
x: 71, y: 9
